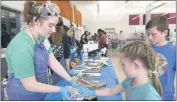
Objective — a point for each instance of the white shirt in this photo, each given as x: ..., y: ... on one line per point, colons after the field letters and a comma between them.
x: 121, y: 37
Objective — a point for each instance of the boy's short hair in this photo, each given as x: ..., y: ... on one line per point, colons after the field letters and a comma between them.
x: 160, y: 21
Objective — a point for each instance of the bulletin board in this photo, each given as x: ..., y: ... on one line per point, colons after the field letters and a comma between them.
x: 110, y: 32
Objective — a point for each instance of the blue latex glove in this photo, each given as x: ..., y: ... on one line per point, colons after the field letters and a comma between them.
x: 72, y: 73
x: 75, y: 54
x: 73, y: 50
x: 86, y: 92
x: 66, y: 93
x: 75, y: 85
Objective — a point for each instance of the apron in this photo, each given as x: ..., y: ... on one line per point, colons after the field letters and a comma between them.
x: 15, y: 89
x: 56, y: 78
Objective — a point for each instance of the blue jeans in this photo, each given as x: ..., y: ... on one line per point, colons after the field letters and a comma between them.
x: 121, y: 43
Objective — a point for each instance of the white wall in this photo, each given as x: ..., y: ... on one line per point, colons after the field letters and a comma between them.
x: 119, y: 21
x: 17, y: 5
x: 172, y: 27
x: 120, y: 24
x: 90, y: 26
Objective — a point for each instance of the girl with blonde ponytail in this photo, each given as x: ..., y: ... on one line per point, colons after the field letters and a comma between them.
x: 137, y: 61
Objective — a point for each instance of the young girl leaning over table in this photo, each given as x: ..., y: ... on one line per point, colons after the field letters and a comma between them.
x: 142, y: 83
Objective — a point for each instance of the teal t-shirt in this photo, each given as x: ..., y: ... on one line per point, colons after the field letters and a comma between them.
x: 141, y: 92
x: 20, y: 55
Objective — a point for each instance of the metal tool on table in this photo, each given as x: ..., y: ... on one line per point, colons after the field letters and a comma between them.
x: 93, y: 84
x: 89, y: 75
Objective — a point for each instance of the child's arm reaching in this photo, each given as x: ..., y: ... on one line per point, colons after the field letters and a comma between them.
x: 102, y: 92
x: 109, y: 91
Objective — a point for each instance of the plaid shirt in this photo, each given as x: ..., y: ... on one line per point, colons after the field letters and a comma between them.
x: 58, y: 51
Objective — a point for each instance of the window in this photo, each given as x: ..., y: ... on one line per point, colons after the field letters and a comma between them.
x: 10, y: 25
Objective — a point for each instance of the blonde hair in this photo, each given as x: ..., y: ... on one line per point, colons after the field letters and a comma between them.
x: 58, y: 35
x: 140, y: 50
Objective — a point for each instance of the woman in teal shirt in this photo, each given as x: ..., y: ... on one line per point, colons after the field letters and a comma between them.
x: 29, y: 54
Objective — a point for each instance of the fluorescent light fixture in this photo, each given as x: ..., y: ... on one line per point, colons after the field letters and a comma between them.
x: 158, y: 3
x: 104, y: 5
x: 98, y: 8
x: 122, y: 7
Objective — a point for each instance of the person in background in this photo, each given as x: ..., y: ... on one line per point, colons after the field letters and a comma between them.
x: 66, y: 45
x: 96, y: 38
x: 103, y: 40
x: 84, y: 39
x: 157, y: 30
x: 121, y: 38
x: 71, y: 35
x: 115, y: 36
x: 62, y: 30
x: 28, y: 66
x: 92, y: 38
x: 72, y: 45
x: 5, y: 39
x: 58, y: 48
x: 142, y: 83
x: 167, y: 37
x: 76, y: 49
x: 88, y: 36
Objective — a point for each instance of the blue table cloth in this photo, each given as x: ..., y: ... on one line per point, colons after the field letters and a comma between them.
x: 108, y: 75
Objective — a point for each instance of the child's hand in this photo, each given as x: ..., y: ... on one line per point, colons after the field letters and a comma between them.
x: 86, y: 92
